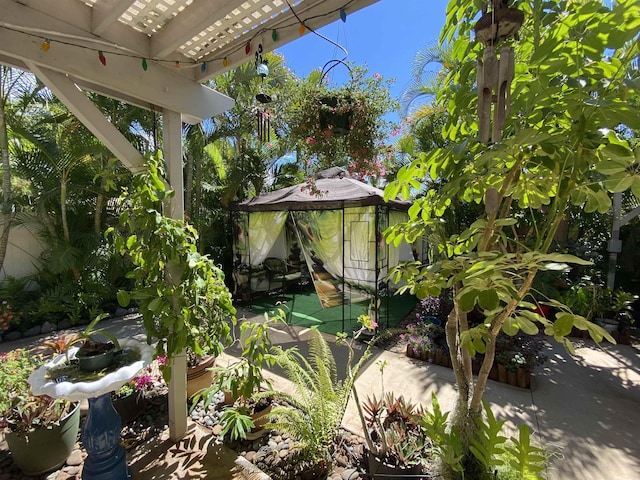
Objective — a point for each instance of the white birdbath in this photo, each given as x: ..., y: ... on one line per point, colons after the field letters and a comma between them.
x: 106, y: 458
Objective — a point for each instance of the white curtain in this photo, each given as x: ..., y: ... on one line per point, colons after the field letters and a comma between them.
x: 360, y: 245
x: 264, y: 229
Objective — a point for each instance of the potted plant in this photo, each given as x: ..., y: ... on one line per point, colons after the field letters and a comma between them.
x: 130, y: 400
x: 342, y: 125
x: 244, y: 378
x: 181, y: 294
x: 95, y: 353
x: 40, y: 431
x: 394, y: 434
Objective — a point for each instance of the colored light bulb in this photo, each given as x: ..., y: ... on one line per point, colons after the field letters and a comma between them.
x: 46, y: 45
x: 144, y: 64
x: 103, y: 59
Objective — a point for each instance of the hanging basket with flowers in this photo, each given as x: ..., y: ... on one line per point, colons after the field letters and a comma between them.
x: 344, y: 126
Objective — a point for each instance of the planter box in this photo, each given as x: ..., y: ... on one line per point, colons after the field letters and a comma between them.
x: 499, y: 373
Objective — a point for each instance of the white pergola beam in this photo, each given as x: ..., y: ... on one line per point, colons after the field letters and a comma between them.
x: 287, y: 29
x: 194, y: 19
x: 106, y: 13
x: 161, y: 86
x: 91, y: 117
x: 172, y: 151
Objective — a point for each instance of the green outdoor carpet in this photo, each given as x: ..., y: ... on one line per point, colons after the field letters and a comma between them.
x: 304, y: 309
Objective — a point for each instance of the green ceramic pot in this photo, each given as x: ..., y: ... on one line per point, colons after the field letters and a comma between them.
x: 45, y: 449
x: 93, y: 363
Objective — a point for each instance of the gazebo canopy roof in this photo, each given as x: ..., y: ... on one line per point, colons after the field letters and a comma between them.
x: 182, y: 43
x: 334, y: 193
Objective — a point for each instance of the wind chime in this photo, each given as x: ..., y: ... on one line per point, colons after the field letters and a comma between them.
x: 495, y: 73
x: 262, y: 113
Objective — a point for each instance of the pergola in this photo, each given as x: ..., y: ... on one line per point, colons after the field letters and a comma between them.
x: 155, y: 54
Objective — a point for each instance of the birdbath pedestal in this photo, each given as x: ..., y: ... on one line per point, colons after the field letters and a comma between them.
x: 106, y: 457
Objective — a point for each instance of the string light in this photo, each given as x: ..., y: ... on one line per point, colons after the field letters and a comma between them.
x: 203, y: 67
x: 177, y: 64
x: 301, y: 29
x: 343, y: 15
x: 274, y: 35
x: 247, y: 48
x: 46, y: 45
x: 103, y: 59
x: 225, y: 62
x: 144, y: 64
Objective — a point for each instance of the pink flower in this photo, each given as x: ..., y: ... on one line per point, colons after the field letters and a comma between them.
x: 310, y: 140
x: 162, y: 360
x: 377, y: 76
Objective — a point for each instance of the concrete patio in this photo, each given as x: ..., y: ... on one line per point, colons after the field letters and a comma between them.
x: 584, y: 408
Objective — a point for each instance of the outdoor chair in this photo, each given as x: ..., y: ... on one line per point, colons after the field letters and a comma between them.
x: 278, y: 271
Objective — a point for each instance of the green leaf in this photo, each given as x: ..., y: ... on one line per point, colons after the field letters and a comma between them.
x: 488, y: 299
x: 123, y: 298
x: 526, y: 325
x: 467, y: 301
x: 563, y: 324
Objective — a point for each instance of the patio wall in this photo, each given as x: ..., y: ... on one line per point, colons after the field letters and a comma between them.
x: 22, y: 252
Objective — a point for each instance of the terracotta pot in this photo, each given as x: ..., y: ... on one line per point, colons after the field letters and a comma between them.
x: 502, y: 373
x: 261, y: 418
x: 200, y: 376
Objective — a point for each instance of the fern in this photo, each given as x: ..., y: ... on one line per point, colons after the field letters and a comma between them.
x: 487, y: 443
x: 316, y: 409
x: 527, y: 460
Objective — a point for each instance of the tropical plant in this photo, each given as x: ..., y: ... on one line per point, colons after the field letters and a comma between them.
x: 244, y: 379
x: 559, y: 148
x: 343, y: 126
x: 394, y: 434
x: 22, y: 412
x: 181, y: 294
x: 314, y: 411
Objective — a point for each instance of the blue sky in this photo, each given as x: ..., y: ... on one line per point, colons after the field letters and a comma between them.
x: 384, y: 36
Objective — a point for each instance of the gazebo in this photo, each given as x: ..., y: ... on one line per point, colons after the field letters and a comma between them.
x: 334, y: 231
x: 155, y: 54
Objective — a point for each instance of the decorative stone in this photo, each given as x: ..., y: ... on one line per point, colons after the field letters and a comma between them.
x: 75, y: 458
x: 11, y: 336
x: 64, y: 324
x: 120, y: 312
x: 48, y: 327
x: 35, y: 330
x: 349, y: 474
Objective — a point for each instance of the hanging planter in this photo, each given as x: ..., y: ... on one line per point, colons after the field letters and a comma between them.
x: 335, y: 114
x: 342, y: 125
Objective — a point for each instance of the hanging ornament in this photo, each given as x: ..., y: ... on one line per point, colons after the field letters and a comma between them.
x: 103, y: 59
x: 144, y: 64
x: 496, y: 67
x: 264, y: 125
x: 343, y: 15
x: 274, y: 35
x: 46, y: 45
